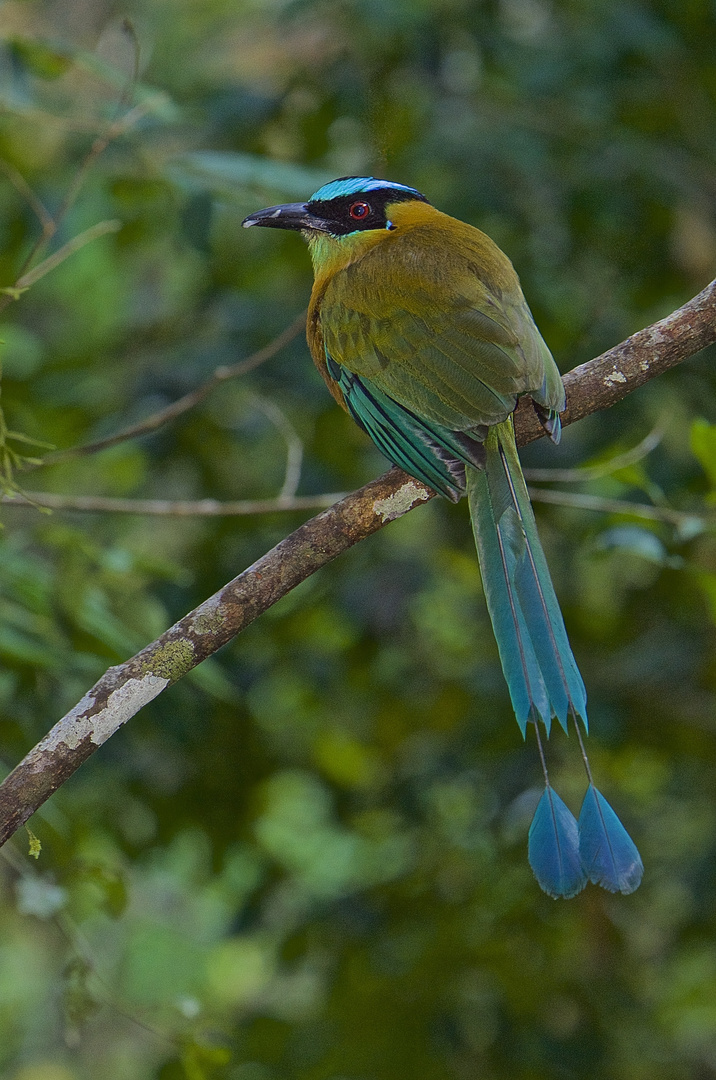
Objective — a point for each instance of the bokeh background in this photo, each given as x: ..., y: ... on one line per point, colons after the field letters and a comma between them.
x: 307, y: 861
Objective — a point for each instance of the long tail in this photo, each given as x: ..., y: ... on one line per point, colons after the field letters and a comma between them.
x: 541, y: 674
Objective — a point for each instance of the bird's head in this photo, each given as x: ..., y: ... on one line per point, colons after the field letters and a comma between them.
x: 349, y: 205
x: 351, y: 213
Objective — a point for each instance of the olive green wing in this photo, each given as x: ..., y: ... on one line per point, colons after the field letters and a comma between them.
x: 444, y: 336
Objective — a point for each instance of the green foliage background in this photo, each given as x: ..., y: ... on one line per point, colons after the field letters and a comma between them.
x: 307, y: 861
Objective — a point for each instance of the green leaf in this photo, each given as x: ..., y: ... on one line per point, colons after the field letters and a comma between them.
x: 112, y: 888
x: 201, y: 1062
x: 40, y: 58
x: 49, y: 60
x: 79, y: 1002
x: 703, y: 446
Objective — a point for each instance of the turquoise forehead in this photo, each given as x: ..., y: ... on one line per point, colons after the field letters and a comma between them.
x: 356, y: 185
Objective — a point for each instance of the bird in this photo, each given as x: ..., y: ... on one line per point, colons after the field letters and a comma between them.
x: 419, y: 326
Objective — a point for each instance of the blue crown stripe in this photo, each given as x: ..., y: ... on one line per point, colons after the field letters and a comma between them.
x: 357, y: 185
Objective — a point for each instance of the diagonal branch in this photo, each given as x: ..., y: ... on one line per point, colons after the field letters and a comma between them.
x: 123, y: 690
x: 601, y: 382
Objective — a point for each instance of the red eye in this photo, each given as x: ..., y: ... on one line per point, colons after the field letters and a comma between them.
x: 359, y: 211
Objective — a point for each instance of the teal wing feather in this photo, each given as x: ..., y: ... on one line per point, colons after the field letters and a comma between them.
x: 425, y: 450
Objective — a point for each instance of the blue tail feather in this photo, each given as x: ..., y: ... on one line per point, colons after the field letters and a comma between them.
x: 607, y: 852
x: 534, y: 649
x: 553, y: 848
x: 540, y: 604
x: 517, y: 654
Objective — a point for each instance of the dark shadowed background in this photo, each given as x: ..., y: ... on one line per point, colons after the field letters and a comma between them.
x: 307, y: 861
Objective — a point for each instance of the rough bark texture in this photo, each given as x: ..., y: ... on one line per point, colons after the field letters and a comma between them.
x: 601, y: 382
x: 124, y: 689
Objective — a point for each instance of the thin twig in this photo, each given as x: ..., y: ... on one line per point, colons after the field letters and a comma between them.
x: 168, y: 507
x: 183, y: 404
x: 118, y: 127
x: 59, y: 256
x: 619, y: 506
x: 605, y: 468
x: 21, y: 185
x: 287, y: 503
x: 50, y: 225
x: 294, y: 446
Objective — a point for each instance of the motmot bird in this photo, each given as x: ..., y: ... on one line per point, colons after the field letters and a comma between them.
x: 419, y: 327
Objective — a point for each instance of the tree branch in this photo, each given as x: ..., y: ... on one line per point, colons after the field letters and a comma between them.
x: 123, y: 690
x: 601, y: 382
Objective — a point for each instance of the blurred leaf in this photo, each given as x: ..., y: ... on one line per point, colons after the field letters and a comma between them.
x: 242, y: 177
x: 703, y: 445
x: 345, y: 760
x: 240, y: 969
x: 639, y: 541
x: 213, y: 680
x: 707, y: 581
x: 40, y: 896
x: 40, y: 58
x: 201, y: 1062
x: 197, y: 219
x: 50, y: 60
x: 110, y: 885
x: 79, y: 1001
x: 160, y: 963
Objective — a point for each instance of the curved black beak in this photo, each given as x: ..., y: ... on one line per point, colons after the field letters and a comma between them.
x: 286, y: 216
